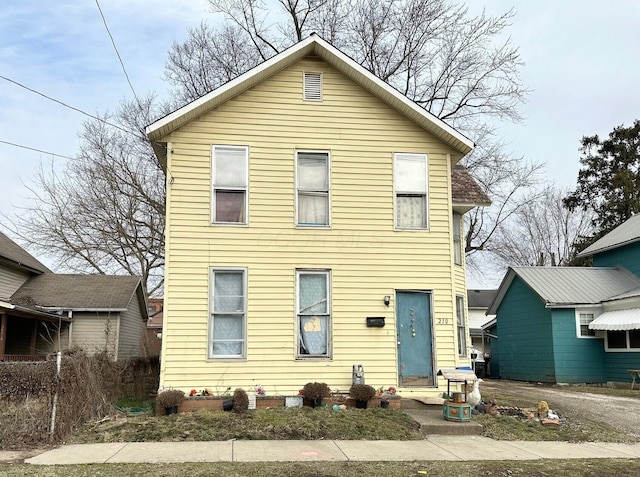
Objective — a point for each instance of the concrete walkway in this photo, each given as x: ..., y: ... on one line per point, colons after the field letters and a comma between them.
x: 452, y: 448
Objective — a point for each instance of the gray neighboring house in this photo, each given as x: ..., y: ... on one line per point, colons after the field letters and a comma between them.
x: 42, y: 311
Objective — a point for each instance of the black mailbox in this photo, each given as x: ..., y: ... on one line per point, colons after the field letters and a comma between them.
x: 375, y: 321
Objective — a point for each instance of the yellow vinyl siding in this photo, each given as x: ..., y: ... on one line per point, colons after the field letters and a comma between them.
x: 367, y: 258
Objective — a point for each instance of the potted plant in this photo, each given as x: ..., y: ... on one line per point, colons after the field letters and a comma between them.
x: 362, y: 394
x: 170, y: 400
x: 315, y: 392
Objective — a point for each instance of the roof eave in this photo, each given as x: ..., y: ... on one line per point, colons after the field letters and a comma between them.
x: 311, y: 45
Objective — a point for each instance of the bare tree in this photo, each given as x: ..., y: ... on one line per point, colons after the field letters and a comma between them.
x: 104, y: 213
x: 542, y: 232
x: 449, y: 62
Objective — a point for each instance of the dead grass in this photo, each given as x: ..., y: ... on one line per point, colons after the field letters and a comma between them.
x: 603, y: 390
x: 280, y: 424
x: 565, y: 468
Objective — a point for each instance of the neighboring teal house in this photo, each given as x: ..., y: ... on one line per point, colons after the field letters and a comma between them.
x: 572, y: 324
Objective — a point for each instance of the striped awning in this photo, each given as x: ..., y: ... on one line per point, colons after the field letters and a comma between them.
x: 618, y: 320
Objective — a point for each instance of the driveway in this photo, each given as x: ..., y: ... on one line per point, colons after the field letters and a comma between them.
x: 623, y: 413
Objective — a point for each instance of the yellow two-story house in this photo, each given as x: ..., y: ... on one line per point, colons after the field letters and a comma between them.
x: 311, y: 227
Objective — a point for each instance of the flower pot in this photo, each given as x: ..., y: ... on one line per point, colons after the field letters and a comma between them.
x: 384, y: 404
x: 171, y: 410
x: 227, y: 405
x: 361, y: 404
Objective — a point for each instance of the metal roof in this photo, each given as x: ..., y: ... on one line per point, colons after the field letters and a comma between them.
x: 623, y: 234
x: 618, y: 320
x: 568, y: 286
x: 313, y: 45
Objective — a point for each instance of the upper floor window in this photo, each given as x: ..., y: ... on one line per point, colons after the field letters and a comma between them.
x: 230, y: 184
x: 312, y: 86
x: 457, y: 238
x: 228, y: 313
x: 410, y: 184
x: 312, y: 184
x: 314, y: 313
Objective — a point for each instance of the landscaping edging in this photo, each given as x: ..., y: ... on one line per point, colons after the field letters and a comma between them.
x: 195, y: 403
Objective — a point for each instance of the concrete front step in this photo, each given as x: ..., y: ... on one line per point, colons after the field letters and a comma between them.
x: 433, y: 423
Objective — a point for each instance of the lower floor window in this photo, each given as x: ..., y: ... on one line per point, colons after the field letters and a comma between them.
x: 313, y: 318
x: 621, y: 340
x: 462, y: 330
x: 228, y: 316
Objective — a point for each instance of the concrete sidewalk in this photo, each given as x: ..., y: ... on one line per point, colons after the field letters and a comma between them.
x: 452, y: 448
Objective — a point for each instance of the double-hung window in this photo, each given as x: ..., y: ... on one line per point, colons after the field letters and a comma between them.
x: 230, y: 184
x: 584, y: 316
x: 228, y: 313
x: 462, y: 332
x: 313, y: 313
x: 457, y: 238
x: 410, y: 183
x: 312, y: 183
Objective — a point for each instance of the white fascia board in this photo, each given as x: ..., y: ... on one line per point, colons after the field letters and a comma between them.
x: 332, y: 55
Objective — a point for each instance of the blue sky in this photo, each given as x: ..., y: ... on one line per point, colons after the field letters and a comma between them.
x: 582, y: 67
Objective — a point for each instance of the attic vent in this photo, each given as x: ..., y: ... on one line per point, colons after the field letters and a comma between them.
x: 313, y: 86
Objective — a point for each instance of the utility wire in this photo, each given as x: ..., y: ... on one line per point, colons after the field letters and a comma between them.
x: 67, y: 106
x: 104, y: 20
x: 34, y: 149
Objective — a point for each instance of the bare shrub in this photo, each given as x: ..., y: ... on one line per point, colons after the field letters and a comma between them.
x: 240, y: 401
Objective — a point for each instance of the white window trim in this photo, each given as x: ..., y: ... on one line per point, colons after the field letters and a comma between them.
x: 396, y: 192
x: 619, y: 350
x: 460, y: 298
x: 578, y: 311
x: 246, y: 187
x: 304, y: 86
x: 307, y: 357
x: 245, y: 282
x: 312, y: 226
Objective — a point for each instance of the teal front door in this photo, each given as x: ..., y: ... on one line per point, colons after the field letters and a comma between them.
x: 415, y: 349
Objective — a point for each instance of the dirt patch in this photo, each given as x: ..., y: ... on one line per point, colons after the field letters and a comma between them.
x: 621, y: 413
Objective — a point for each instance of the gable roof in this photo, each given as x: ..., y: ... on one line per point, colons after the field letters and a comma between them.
x: 79, y: 292
x: 466, y: 193
x: 480, y: 298
x: 313, y: 45
x: 14, y: 253
x: 625, y: 233
x: 564, y: 287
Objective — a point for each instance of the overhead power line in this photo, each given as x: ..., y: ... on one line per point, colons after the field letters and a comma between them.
x: 34, y: 149
x: 124, y: 70
x: 67, y: 105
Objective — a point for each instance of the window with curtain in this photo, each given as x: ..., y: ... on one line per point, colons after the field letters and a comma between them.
x: 457, y: 239
x: 228, y: 314
x: 410, y: 183
x: 314, y: 314
x: 230, y: 180
x: 313, y: 188
x: 462, y: 333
